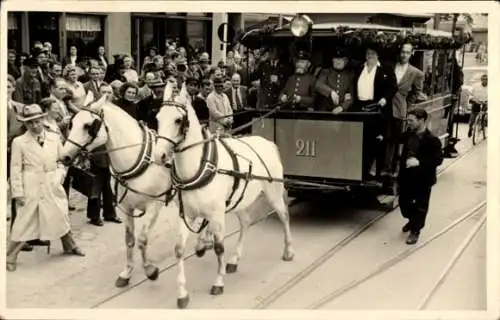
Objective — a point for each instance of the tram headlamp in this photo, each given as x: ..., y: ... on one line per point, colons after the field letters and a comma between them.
x: 301, y: 25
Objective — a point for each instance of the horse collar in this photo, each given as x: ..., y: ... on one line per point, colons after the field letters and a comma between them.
x: 143, y: 160
x: 206, y: 171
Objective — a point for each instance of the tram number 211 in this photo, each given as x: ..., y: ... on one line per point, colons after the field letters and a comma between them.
x: 305, y: 148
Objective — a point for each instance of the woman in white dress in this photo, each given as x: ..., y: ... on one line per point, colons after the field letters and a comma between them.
x: 76, y: 88
x: 127, y: 71
x: 36, y: 186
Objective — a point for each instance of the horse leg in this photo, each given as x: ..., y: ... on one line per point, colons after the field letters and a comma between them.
x: 152, y: 272
x: 274, y: 193
x: 204, y: 243
x: 218, y: 227
x: 180, y: 250
x: 124, y: 277
x: 244, y: 220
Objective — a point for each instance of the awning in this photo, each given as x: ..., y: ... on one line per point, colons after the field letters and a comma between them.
x: 83, y: 23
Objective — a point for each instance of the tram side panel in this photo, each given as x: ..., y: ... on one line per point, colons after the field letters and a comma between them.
x: 320, y: 152
x: 439, y: 115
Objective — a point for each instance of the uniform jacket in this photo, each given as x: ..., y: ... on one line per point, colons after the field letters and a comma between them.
x: 269, y: 92
x: 341, y: 82
x: 429, y: 155
x: 243, y: 96
x: 148, y: 108
x: 409, y: 89
x: 385, y: 85
x: 302, y: 85
x: 28, y: 91
x: 37, y: 176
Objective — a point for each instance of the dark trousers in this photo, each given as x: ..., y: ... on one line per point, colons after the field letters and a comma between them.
x: 393, y: 132
x: 372, y: 147
x: 105, y: 194
x: 241, y: 119
x: 414, y: 205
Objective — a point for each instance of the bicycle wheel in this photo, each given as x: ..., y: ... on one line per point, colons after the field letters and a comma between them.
x: 484, y: 125
x: 475, y: 129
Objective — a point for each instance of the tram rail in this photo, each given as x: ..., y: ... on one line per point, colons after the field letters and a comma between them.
x: 267, y: 301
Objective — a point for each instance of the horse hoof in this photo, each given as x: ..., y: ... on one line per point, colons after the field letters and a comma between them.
x: 217, y: 290
x: 200, y: 252
x: 231, y: 268
x: 154, y: 275
x: 182, y: 303
x: 121, y: 282
x: 287, y: 256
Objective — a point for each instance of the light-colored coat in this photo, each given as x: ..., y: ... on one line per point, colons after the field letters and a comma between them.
x: 409, y: 91
x: 36, y: 176
x: 218, y: 106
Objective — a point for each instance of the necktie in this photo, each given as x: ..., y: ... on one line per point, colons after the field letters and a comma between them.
x: 40, y: 140
x: 238, y: 99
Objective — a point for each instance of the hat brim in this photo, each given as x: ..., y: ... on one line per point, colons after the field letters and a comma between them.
x: 30, y: 118
x: 156, y: 85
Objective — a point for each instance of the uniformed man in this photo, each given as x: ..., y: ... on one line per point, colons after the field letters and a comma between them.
x: 299, y: 89
x: 335, y: 85
x: 272, y: 74
x: 149, y: 107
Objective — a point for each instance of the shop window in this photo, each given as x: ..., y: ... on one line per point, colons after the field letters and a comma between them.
x: 196, y: 36
x: 44, y: 26
x: 14, y: 37
x: 86, y: 32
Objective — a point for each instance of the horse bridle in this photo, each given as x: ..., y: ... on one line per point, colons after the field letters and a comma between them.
x: 92, y: 129
x: 183, y: 123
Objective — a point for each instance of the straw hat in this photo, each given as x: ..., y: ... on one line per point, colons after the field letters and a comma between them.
x: 31, y: 112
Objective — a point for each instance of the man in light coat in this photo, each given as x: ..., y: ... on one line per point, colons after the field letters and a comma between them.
x: 410, y: 81
x: 36, y: 186
x: 219, y: 107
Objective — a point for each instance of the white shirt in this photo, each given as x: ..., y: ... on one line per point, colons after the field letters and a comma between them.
x: 73, y: 60
x: 400, y: 71
x: 366, y: 85
x: 131, y: 76
x: 480, y: 92
x: 103, y: 61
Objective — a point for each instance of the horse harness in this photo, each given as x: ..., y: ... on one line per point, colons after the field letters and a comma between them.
x: 140, y: 166
x: 208, y: 168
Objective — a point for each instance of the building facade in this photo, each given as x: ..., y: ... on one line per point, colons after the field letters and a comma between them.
x: 119, y: 32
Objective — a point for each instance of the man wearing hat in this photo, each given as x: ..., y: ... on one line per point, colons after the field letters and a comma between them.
x: 28, y: 87
x: 149, y: 106
x: 335, y: 85
x: 219, y: 107
x: 272, y: 75
x: 375, y: 85
x: 36, y: 187
x: 300, y: 87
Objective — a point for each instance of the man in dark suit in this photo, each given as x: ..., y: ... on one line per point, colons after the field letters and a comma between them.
x: 375, y: 85
x: 238, y: 98
x: 100, y: 167
x: 272, y: 74
x: 300, y: 87
x: 198, y: 97
x: 421, y: 156
x: 94, y: 82
x: 335, y: 85
x: 410, y: 81
x: 149, y: 107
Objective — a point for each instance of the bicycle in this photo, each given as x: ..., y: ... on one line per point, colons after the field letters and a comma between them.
x: 480, y: 123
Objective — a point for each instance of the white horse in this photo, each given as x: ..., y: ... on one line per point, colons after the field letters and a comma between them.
x: 142, y: 184
x: 210, y: 175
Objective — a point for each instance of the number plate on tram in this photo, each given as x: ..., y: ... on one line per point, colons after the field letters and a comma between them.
x: 317, y: 148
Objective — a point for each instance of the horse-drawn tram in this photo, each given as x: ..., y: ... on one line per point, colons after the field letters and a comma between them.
x: 323, y: 149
